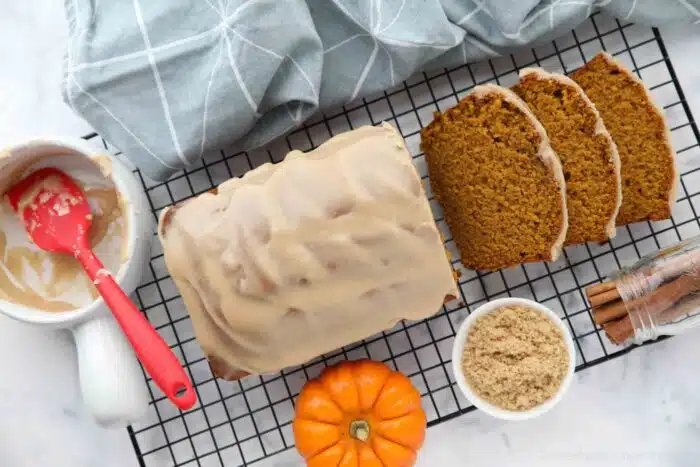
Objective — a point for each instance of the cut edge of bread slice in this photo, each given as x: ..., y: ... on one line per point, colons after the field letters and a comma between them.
x: 545, y: 153
x: 674, y: 189
x: 600, y: 129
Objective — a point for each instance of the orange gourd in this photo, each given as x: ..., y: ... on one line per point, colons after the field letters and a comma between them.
x: 359, y: 414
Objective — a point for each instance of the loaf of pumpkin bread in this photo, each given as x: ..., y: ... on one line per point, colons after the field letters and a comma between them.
x: 296, y: 259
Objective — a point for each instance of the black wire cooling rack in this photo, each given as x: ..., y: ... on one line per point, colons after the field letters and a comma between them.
x: 249, y: 421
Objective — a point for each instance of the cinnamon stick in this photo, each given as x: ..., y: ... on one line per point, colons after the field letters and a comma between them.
x: 620, y: 330
x: 666, y: 295
x: 660, y: 302
x: 685, y: 306
x: 670, y: 268
x: 609, y: 312
x: 667, y: 302
x: 597, y: 289
x: 604, y: 297
x: 657, y: 301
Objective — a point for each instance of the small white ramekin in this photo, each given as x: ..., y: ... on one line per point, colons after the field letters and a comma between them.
x: 481, y: 404
x: 111, y: 380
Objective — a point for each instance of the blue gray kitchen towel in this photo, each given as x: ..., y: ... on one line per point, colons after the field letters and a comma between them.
x: 166, y: 80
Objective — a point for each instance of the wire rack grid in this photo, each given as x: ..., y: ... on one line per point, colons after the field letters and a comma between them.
x: 245, y: 422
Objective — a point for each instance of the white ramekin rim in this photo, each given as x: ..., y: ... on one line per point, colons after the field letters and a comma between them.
x: 481, y: 404
x: 132, y: 192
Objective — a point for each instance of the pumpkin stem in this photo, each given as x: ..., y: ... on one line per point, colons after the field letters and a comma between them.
x: 359, y: 429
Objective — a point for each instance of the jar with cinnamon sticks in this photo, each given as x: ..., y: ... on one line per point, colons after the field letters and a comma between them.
x: 659, y: 295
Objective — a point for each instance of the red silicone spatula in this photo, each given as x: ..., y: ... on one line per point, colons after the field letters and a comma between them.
x: 57, y: 217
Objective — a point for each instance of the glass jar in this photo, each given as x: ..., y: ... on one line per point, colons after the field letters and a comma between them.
x: 658, y: 295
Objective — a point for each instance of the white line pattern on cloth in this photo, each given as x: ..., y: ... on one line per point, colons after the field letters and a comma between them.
x: 71, y: 81
x: 465, y: 19
x: 365, y: 71
x: 260, y: 36
x: 533, y: 18
x: 691, y: 9
x: 121, y: 123
x: 214, y: 69
x: 159, y: 81
x: 392, y: 76
x: 343, y: 42
x: 275, y: 54
x: 144, y: 53
x: 239, y: 78
x: 393, y: 20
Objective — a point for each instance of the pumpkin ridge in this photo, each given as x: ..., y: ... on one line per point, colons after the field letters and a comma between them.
x: 355, y: 374
x: 326, y: 449
x: 378, y: 458
x: 408, y: 431
x: 351, y: 402
x: 333, y: 399
x: 329, y: 398
x: 316, y: 446
x: 331, y: 395
x: 394, y: 418
x: 316, y: 420
x: 399, y: 399
x: 393, y: 441
x: 379, y: 393
x: 369, y: 447
x: 308, y: 419
x: 374, y: 448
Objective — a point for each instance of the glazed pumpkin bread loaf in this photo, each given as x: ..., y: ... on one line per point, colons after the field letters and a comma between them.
x: 588, y: 155
x: 637, y: 126
x: 299, y: 258
x: 499, y: 183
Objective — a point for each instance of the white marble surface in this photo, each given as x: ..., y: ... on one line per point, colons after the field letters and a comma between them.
x: 640, y: 410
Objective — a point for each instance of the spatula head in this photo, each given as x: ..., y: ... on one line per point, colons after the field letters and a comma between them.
x: 54, y: 210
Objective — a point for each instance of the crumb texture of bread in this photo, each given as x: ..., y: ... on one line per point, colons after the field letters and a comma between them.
x: 501, y: 200
x: 586, y: 150
x: 637, y: 126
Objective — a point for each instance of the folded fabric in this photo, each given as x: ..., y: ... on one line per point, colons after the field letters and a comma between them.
x: 166, y: 81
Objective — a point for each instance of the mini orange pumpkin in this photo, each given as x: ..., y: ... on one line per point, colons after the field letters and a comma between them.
x: 359, y: 414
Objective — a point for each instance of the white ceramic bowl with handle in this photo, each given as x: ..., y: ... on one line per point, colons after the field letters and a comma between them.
x: 112, y: 383
x: 461, y: 340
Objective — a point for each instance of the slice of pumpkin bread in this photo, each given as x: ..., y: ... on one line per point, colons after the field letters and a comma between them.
x: 588, y: 155
x: 498, y: 181
x: 636, y: 124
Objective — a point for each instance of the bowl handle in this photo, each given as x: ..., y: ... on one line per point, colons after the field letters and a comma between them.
x: 111, y: 380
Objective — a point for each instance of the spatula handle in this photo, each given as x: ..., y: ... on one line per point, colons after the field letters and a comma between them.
x: 154, y: 353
